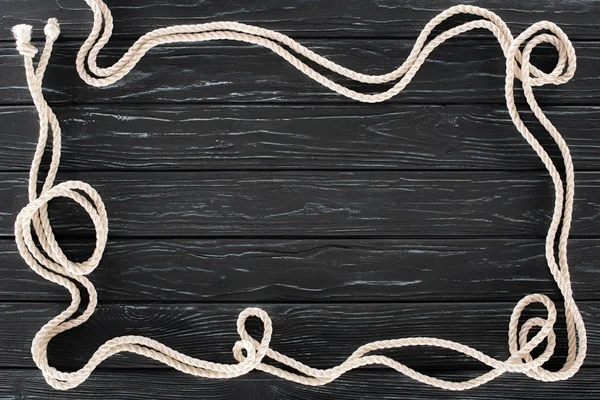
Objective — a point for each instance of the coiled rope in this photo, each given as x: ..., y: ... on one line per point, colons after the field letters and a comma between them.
x: 252, y: 354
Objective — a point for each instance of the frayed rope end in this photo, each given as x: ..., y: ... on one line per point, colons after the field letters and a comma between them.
x: 22, y: 34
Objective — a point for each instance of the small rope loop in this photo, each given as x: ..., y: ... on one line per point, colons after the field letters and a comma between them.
x: 259, y: 349
x: 252, y: 354
x: 521, y: 348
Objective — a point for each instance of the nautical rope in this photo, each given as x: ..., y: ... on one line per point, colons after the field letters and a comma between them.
x: 252, y: 354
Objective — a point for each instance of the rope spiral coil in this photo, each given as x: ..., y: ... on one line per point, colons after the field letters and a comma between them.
x: 251, y: 354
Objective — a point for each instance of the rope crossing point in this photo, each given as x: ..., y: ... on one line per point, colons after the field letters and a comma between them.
x: 252, y: 354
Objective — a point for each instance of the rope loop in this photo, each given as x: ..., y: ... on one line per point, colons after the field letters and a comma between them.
x: 51, y: 263
x: 566, y: 63
x: 521, y: 348
x: 56, y: 260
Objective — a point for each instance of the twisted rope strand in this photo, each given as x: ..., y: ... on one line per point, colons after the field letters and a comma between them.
x: 250, y: 354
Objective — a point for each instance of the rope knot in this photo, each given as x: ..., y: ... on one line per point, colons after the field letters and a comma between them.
x: 52, y: 29
x: 22, y: 34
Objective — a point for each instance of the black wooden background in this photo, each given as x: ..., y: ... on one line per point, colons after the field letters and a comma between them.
x: 231, y: 180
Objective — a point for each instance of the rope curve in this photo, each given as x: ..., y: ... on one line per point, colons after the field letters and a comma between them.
x: 251, y: 354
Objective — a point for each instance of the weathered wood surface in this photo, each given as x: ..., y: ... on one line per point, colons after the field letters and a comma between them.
x: 307, y: 203
x: 195, y: 137
x: 269, y: 270
x: 298, y: 18
x: 456, y: 72
x: 321, y: 335
x: 232, y: 180
x: 168, y: 385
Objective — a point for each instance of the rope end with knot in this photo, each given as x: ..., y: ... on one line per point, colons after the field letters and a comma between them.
x: 52, y: 29
x: 22, y: 34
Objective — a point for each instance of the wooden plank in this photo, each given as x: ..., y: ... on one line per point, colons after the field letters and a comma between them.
x: 271, y: 270
x: 298, y: 18
x: 457, y: 72
x: 135, y: 385
x: 338, y: 204
x: 321, y: 335
x: 193, y: 137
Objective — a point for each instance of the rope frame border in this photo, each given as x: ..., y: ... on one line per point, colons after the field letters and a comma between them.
x: 53, y: 265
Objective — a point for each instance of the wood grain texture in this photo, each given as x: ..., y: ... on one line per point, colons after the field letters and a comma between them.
x: 338, y: 204
x: 456, y: 72
x: 350, y: 18
x: 168, y: 385
x: 232, y: 180
x: 321, y: 335
x: 196, y: 137
x: 350, y: 270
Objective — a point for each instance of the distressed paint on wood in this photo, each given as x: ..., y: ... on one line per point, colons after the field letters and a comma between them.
x: 195, y: 137
x: 169, y: 385
x: 298, y: 18
x: 337, y: 204
x: 379, y: 252
x: 322, y: 335
x: 456, y: 72
x: 313, y: 203
x: 344, y: 270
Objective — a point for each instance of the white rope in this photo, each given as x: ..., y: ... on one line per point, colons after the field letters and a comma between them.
x: 252, y: 354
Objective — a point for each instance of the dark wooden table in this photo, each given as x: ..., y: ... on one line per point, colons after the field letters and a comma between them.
x: 231, y: 180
